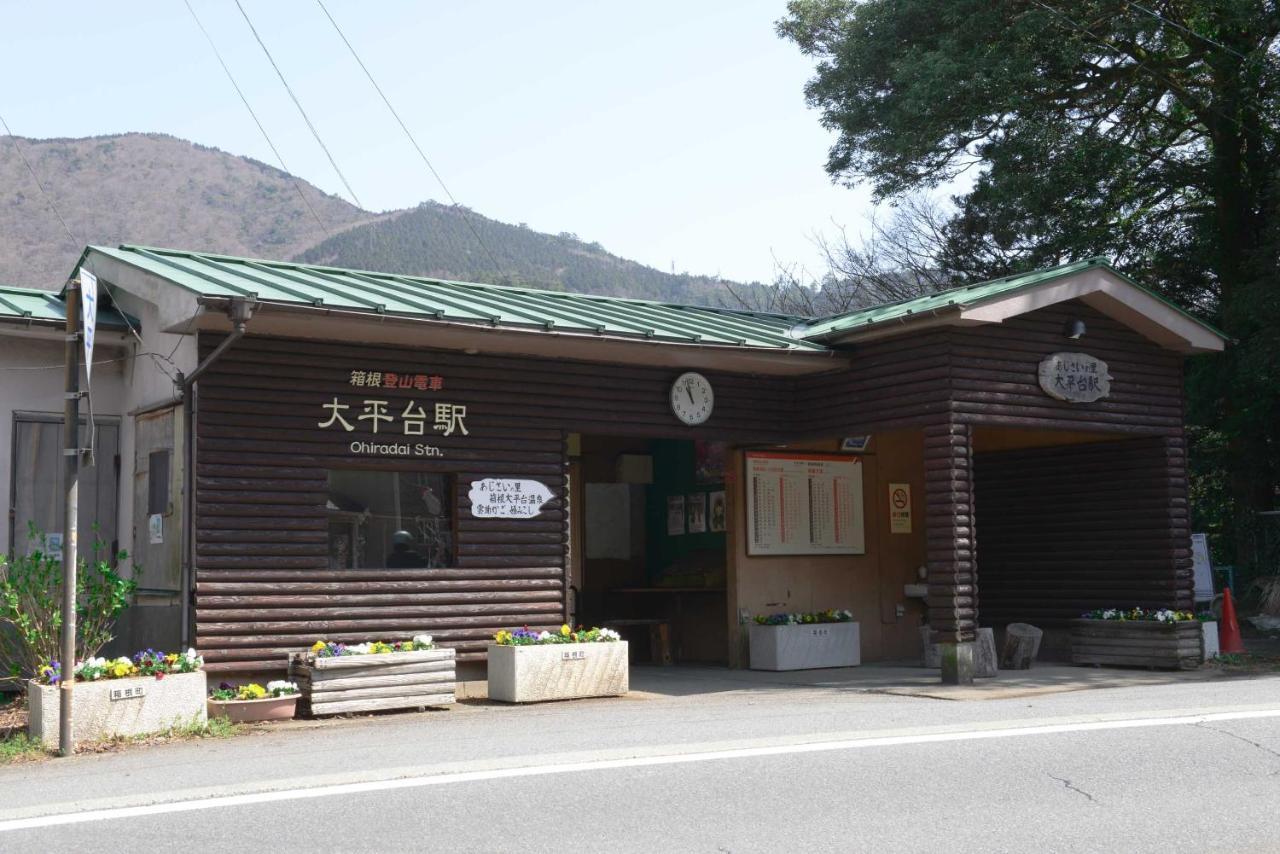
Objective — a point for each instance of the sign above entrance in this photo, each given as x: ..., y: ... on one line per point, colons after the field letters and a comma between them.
x: 1075, y: 377
x: 507, y: 498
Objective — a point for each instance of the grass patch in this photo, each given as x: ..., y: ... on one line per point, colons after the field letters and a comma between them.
x: 19, y: 747
x: 1248, y: 662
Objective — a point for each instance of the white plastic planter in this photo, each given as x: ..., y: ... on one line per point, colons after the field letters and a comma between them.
x: 560, y: 671
x: 806, y: 646
x: 111, y: 707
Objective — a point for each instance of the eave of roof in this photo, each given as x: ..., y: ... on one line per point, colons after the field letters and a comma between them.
x: 34, y: 306
x: 966, y: 296
x: 483, y: 305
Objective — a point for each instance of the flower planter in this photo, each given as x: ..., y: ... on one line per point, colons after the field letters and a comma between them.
x: 112, y: 707
x: 1138, y: 643
x: 369, y: 683
x: 805, y: 646
x: 249, y: 711
x: 560, y: 671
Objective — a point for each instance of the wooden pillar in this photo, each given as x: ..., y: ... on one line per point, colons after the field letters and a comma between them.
x: 951, y: 546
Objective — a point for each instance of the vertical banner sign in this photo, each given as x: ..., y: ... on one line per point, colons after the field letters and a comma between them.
x: 88, y: 318
x: 900, y: 508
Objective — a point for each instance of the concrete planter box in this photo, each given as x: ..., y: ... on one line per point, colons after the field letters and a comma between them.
x: 1138, y: 643
x: 806, y: 646
x: 249, y: 711
x: 372, y: 683
x: 141, y: 705
x: 561, y: 671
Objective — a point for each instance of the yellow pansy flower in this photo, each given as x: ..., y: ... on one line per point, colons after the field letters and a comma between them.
x: 564, y: 631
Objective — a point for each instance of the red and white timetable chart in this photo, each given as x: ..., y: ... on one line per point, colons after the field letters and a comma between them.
x: 804, y: 504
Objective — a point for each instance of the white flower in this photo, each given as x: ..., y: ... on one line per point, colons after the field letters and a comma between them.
x: 280, y: 687
x: 422, y: 640
x: 544, y: 635
x: 609, y: 635
x: 359, y: 649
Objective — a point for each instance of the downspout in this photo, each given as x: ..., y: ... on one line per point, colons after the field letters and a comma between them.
x: 239, y: 311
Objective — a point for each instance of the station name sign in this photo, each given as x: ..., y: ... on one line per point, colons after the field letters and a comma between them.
x: 380, y: 415
x: 1075, y: 377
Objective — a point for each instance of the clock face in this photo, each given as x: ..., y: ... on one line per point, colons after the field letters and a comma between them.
x: 692, y: 398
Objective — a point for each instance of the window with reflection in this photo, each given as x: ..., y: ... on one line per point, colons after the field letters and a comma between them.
x: 389, y: 520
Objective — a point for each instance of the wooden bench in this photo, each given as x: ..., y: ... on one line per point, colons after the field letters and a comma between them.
x: 659, y: 636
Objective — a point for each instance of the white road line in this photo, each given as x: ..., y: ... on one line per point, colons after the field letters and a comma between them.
x: 363, y: 787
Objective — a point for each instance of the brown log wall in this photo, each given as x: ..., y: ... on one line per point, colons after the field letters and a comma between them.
x: 1070, y: 529
x: 263, y: 584
x: 955, y: 380
x: 264, y: 587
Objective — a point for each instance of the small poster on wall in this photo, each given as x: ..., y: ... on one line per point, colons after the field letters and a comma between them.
x: 695, y: 505
x: 675, y: 515
x: 718, y: 511
x: 709, y: 461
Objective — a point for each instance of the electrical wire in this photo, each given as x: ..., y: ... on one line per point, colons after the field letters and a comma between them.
x: 40, y: 186
x: 1186, y: 29
x: 61, y: 366
x: 297, y: 103
x: 412, y: 140
x: 279, y: 157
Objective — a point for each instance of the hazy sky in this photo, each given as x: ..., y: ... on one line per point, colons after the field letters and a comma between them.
x: 674, y: 133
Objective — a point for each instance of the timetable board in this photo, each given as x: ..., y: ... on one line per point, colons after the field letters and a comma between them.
x: 804, y: 504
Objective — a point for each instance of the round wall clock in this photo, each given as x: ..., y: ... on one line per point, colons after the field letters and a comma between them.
x: 692, y: 398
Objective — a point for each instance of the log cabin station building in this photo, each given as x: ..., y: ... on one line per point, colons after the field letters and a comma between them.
x: 292, y: 452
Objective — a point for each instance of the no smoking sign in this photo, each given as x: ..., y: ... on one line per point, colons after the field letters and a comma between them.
x: 900, y: 508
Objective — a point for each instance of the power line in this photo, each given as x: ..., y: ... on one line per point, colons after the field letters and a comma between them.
x: 298, y: 104
x: 1186, y: 29
x: 1085, y: 31
x: 474, y: 233
x: 49, y: 201
x: 280, y: 158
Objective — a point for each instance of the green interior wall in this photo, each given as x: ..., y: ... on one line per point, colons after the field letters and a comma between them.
x: 674, y: 473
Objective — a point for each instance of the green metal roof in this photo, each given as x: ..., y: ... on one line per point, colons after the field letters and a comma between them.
x: 46, y: 307
x: 965, y: 297
x: 463, y: 302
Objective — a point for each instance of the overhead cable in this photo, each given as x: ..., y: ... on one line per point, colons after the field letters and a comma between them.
x: 315, y: 133
x: 279, y: 157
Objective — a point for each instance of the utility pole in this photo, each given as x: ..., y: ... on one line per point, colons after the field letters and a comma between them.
x: 71, y: 518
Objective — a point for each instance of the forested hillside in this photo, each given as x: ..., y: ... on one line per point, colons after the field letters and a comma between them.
x: 437, y: 240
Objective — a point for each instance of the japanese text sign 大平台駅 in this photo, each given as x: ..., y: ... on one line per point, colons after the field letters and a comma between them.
x: 1074, y: 377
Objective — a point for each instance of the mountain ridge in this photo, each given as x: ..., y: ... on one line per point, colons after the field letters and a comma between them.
x: 160, y: 190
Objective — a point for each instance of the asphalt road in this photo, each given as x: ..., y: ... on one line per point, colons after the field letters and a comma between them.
x: 1154, y: 768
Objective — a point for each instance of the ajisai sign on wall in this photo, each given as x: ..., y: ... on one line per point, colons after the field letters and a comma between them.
x: 1075, y: 377
x: 507, y: 498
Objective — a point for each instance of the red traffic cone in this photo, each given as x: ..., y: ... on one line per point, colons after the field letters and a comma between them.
x: 1229, y: 628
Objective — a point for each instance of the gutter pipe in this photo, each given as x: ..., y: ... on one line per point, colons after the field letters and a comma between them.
x: 239, y: 310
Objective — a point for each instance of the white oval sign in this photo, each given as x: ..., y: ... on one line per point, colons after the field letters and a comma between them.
x: 507, y: 498
x: 1075, y: 377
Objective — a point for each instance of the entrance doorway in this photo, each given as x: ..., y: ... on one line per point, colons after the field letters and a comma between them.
x: 1071, y: 522
x: 649, y: 545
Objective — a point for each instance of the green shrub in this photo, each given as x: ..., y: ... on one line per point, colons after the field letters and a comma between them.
x: 31, y: 605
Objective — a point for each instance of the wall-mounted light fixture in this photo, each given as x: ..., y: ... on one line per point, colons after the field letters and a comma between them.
x: 1074, y: 329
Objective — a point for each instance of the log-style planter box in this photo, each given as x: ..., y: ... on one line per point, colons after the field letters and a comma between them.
x: 561, y: 671
x: 806, y: 646
x: 250, y: 711
x: 372, y: 683
x: 112, y: 707
x: 1138, y: 643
